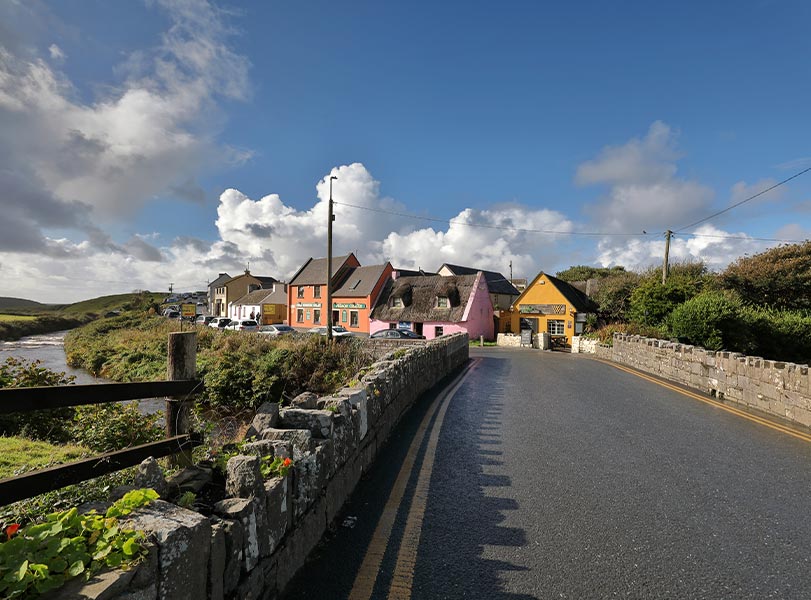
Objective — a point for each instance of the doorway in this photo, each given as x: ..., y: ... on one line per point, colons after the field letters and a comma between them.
x: 418, y: 328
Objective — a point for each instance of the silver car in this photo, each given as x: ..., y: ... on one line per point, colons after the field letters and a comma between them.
x: 243, y: 325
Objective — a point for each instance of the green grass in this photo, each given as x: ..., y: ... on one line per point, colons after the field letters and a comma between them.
x: 18, y: 455
x: 9, y: 318
x: 476, y: 344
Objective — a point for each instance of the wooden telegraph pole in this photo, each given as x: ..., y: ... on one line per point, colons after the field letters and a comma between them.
x: 668, y: 233
x: 330, y: 219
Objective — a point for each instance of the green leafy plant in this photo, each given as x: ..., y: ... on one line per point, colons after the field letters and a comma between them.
x: 43, y: 556
x: 187, y: 500
x: 275, y: 467
x: 115, y: 425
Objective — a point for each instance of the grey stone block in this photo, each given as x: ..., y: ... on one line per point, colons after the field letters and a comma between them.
x: 234, y: 554
x: 301, y: 440
x: 279, y: 509
x: 189, y: 479
x: 183, y: 538
x: 216, y: 563
x: 243, y: 478
x: 244, y: 511
x: 306, y: 400
x: 150, y: 475
x: 267, y: 416
x: 251, y: 587
x: 319, y: 422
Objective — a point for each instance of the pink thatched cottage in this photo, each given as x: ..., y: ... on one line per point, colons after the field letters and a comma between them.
x: 433, y: 305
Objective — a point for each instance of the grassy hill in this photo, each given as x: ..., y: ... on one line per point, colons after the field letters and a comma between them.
x: 23, y: 305
x: 106, y: 303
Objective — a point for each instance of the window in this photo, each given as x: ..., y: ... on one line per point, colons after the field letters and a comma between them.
x: 353, y: 318
x: 316, y: 315
x: 343, y: 316
x: 355, y: 285
x: 392, y: 325
x: 442, y: 302
x: 316, y: 291
x: 300, y: 291
x: 556, y: 327
x: 300, y: 315
x: 439, y: 331
x: 397, y: 303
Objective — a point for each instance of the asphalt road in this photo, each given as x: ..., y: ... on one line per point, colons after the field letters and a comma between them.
x: 557, y: 476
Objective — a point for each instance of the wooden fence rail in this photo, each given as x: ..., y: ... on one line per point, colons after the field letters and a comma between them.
x: 179, y: 441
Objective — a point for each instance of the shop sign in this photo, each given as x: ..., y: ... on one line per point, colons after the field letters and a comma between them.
x: 308, y: 305
x: 543, y: 309
x: 348, y: 305
x: 269, y: 309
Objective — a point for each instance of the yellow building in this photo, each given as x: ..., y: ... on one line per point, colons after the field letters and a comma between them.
x: 552, y: 305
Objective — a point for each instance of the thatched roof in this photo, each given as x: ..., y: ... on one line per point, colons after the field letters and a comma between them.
x: 419, y: 295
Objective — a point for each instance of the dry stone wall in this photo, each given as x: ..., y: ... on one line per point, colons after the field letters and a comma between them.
x: 778, y: 388
x: 260, y: 536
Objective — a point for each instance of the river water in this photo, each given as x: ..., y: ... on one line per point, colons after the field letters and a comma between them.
x: 50, y: 349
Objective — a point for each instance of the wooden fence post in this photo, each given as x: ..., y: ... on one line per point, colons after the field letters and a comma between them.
x: 182, y: 364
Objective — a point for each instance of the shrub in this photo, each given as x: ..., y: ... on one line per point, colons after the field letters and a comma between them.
x: 115, y: 425
x: 779, y: 334
x: 49, y: 425
x: 711, y: 320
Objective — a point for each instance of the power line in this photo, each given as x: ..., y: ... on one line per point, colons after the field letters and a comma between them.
x: 728, y: 208
x: 741, y: 237
x: 481, y: 225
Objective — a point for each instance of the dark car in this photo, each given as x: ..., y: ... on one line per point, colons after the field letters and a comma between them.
x: 397, y: 334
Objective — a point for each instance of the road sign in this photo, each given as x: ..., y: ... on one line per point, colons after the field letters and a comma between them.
x: 188, y: 310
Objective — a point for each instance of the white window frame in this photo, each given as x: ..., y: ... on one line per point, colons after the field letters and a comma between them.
x: 556, y: 326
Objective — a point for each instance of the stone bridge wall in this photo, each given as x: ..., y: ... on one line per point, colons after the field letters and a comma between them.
x: 778, y: 388
x: 262, y: 533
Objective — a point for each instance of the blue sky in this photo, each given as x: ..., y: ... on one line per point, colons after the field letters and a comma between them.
x: 145, y: 140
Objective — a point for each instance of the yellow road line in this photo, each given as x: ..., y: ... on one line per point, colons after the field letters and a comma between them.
x: 364, y: 583
x: 751, y: 417
x: 403, y: 579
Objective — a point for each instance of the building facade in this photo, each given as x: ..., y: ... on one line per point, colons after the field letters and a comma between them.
x: 307, y: 290
x: 265, y: 306
x: 434, y: 306
x: 552, y: 305
x: 235, y: 288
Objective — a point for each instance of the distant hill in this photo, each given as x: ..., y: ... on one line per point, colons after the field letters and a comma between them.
x: 106, y: 303
x: 22, y: 304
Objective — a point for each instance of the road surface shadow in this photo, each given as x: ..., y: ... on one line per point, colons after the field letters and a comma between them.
x: 464, y: 539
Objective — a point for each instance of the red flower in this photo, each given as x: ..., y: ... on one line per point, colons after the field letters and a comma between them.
x: 12, y: 529
x: 287, y: 462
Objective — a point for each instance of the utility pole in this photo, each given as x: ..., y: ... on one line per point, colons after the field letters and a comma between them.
x: 511, y: 271
x: 668, y: 233
x: 330, y: 219
x: 170, y: 288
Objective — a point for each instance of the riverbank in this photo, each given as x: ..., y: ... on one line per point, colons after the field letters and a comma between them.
x: 24, y: 326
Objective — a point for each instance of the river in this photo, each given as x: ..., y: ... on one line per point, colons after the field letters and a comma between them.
x: 50, y: 349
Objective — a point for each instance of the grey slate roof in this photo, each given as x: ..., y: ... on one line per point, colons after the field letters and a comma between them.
x: 496, y: 282
x: 222, y: 278
x: 314, y: 271
x: 419, y: 296
x: 279, y: 296
x: 360, y: 282
x: 266, y: 281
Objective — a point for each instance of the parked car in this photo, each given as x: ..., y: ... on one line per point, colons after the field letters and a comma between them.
x: 242, y: 325
x: 276, y: 330
x: 204, y: 319
x: 171, y: 314
x: 219, y: 322
x: 397, y: 334
x: 337, y: 331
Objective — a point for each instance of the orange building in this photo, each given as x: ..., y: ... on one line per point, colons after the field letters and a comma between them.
x: 353, y: 301
x: 307, y: 290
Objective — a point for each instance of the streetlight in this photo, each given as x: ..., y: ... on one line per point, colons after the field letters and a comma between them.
x: 330, y: 219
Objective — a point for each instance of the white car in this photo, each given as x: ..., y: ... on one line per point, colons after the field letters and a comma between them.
x: 337, y: 331
x: 219, y: 322
x: 242, y: 325
x: 276, y: 330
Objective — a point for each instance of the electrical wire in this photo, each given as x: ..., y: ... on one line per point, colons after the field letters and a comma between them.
x: 752, y: 197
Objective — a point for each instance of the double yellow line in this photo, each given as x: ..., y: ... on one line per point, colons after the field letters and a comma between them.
x: 735, y: 411
x: 403, y: 578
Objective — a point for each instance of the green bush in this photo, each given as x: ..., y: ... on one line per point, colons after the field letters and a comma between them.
x: 49, y: 425
x: 114, y: 426
x: 711, y: 320
x: 779, y: 334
